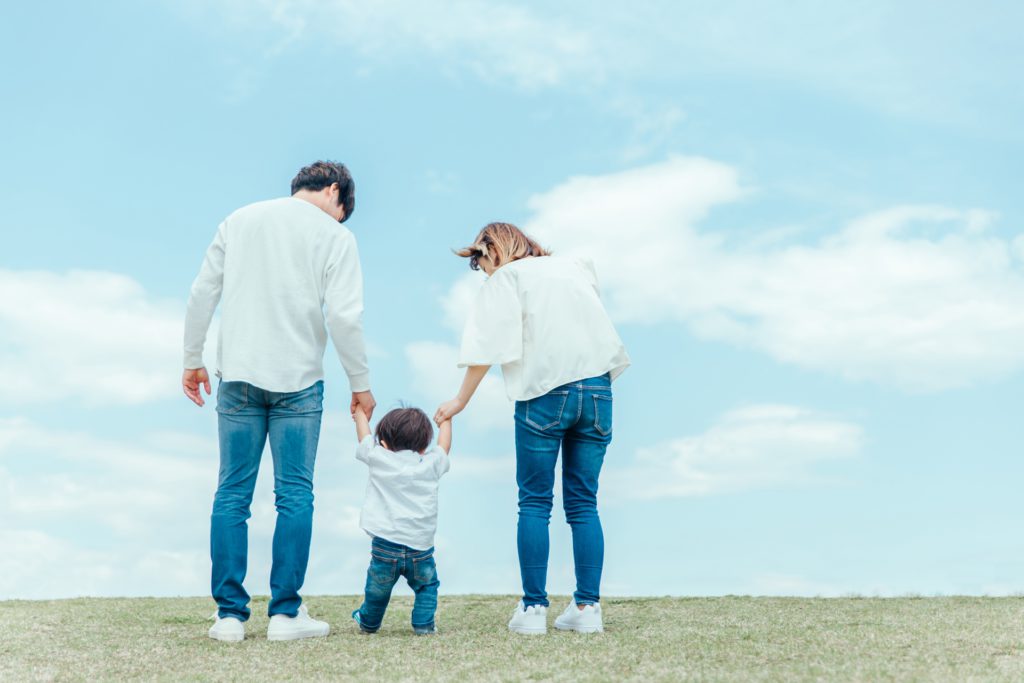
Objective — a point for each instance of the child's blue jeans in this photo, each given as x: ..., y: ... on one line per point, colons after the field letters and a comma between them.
x: 388, y: 561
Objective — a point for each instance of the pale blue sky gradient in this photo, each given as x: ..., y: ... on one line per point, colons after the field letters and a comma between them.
x: 132, y: 129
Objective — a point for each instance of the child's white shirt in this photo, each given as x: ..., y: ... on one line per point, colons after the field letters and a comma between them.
x: 401, y: 493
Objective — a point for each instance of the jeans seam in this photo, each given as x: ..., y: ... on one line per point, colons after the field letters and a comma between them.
x: 597, y: 415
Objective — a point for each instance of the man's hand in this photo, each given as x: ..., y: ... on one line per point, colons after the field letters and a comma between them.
x: 191, y: 380
x: 448, y: 410
x: 364, y: 400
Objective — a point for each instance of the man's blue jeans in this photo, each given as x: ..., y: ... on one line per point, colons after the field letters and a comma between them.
x: 247, y: 415
x: 576, y: 417
x: 388, y: 561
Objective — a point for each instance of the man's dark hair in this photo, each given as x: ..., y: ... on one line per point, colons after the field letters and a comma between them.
x: 321, y: 174
x: 405, y: 429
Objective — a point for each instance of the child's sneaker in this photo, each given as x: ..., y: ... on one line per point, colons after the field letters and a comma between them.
x: 283, y: 627
x: 359, y: 623
x: 228, y: 629
x: 428, y: 630
x: 586, y: 620
x: 532, y: 620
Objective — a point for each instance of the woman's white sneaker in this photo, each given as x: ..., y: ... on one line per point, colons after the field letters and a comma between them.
x: 228, y: 629
x: 532, y: 620
x: 283, y: 627
x: 586, y: 620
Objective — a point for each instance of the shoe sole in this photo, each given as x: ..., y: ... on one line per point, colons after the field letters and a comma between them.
x: 228, y: 637
x: 580, y: 629
x: 300, y: 635
x: 528, y: 631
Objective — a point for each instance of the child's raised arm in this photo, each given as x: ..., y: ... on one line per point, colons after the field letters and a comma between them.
x: 444, y: 436
x: 362, y: 423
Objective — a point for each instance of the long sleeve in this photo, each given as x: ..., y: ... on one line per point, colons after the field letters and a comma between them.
x: 343, y: 311
x: 203, y: 300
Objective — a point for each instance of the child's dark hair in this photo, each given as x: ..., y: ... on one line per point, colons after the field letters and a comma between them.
x: 405, y: 429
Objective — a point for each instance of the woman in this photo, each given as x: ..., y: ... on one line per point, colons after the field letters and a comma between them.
x: 540, y: 317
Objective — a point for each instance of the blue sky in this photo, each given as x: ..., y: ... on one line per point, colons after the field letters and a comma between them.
x: 807, y: 226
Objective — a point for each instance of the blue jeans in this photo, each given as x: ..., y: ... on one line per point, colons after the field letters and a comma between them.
x: 576, y: 417
x: 246, y: 416
x: 388, y: 561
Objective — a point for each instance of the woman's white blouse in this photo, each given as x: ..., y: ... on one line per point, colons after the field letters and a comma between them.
x: 541, y: 319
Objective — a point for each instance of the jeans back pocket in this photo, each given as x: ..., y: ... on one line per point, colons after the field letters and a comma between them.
x: 424, y: 570
x: 383, y: 570
x: 545, y: 412
x: 232, y: 397
x: 308, y: 400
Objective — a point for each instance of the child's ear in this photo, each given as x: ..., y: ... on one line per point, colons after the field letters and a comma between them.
x: 385, y: 444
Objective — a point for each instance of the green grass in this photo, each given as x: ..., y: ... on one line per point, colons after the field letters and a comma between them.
x: 728, y: 638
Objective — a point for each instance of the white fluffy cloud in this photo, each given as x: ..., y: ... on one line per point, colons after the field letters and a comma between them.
x: 921, y: 297
x: 88, y: 335
x: 756, y: 447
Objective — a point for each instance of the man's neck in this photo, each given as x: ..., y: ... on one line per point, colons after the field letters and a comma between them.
x: 317, y: 199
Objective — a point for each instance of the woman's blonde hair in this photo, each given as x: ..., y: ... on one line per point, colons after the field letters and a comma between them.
x: 502, y: 243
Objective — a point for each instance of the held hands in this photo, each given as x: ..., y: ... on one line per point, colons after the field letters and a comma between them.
x: 362, y: 422
x: 191, y: 380
x: 449, y: 409
x: 363, y: 400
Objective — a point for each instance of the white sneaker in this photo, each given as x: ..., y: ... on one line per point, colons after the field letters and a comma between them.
x: 586, y: 620
x: 283, y: 627
x: 228, y: 629
x: 532, y: 620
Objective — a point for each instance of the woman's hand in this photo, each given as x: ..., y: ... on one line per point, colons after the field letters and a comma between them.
x: 449, y: 409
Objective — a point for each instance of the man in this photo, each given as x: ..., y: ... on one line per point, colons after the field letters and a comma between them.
x: 283, y: 268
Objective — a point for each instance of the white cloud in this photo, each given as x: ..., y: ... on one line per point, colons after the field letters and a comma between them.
x: 496, y: 41
x: 84, y: 515
x: 53, y: 476
x: 882, y: 58
x: 756, y: 447
x: 88, y: 335
x: 920, y: 297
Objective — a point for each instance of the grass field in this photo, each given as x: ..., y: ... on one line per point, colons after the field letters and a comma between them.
x: 728, y: 638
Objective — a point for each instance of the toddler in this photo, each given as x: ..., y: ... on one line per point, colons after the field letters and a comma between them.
x: 400, y: 511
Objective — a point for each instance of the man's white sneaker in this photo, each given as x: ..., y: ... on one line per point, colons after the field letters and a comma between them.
x: 532, y: 620
x: 228, y: 629
x: 283, y: 627
x: 586, y: 620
